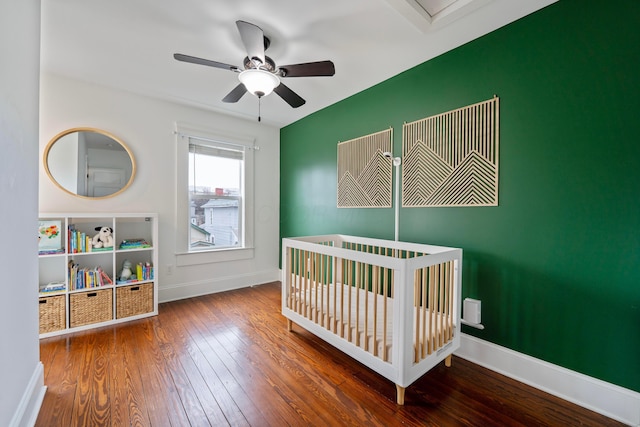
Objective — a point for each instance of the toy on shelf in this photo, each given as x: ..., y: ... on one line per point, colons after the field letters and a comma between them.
x: 104, y: 238
x: 126, y: 273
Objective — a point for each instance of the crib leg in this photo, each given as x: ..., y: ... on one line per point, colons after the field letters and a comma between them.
x: 400, y: 394
x: 289, y: 325
x: 447, y: 361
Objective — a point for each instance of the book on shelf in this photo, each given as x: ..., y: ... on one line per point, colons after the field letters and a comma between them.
x: 134, y: 244
x: 49, y: 237
x: 80, y: 242
x: 104, y: 277
x: 86, y: 277
x: 53, y: 287
x: 51, y: 252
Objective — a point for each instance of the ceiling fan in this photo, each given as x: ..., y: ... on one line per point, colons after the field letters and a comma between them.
x: 260, y: 75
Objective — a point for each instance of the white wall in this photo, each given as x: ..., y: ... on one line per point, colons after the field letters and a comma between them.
x: 21, y: 374
x: 147, y: 126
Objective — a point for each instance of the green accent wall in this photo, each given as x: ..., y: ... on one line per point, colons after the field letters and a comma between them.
x: 557, y: 263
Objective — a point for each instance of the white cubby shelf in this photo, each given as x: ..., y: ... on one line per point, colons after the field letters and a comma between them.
x: 91, y: 294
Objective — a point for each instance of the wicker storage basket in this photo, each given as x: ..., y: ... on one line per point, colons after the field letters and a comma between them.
x: 90, y: 307
x: 52, y: 313
x: 134, y: 299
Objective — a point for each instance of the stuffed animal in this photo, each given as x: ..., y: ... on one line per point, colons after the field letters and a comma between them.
x: 126, y: 273
x: 104, y: 238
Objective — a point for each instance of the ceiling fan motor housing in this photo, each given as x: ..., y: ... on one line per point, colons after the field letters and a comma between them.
x: 268, y: 65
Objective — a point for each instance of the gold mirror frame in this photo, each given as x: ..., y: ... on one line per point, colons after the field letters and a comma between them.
x: 59, y: 139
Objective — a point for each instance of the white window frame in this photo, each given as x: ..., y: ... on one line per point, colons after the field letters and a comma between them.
x: 184, y: 256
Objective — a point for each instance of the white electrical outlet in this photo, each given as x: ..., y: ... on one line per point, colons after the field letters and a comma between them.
x: 472, y: 311
x: 169, y: 269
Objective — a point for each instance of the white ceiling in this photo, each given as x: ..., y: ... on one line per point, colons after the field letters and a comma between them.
x: 129, y: 44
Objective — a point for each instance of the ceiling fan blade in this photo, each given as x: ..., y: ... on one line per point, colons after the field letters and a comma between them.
x: 235, y: 94
x: 289, y: 96
x: 309, y: 69
x: 253, y: 40
x: 207, y: 62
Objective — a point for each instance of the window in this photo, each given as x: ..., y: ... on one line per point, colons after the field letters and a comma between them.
x: 216, y: 202
x: 214, y: 197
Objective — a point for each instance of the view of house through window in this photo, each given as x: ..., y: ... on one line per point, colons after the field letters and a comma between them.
x: 215, y: 195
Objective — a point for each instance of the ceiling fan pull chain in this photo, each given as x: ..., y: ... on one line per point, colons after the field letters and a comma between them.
x: 259, y: 104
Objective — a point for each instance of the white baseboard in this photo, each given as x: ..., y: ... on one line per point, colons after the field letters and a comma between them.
x: 220, y: 284
x: 29, y: 406
x: 615, y: 402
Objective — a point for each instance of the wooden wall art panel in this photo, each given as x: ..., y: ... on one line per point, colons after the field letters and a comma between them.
x: 451, y: 159
x: 364, y: 173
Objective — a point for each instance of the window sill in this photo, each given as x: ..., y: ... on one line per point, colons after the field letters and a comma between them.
x: 213, y: 256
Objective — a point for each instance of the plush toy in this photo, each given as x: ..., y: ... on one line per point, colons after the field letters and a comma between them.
x: 126, y: 273
x: 104, y: 238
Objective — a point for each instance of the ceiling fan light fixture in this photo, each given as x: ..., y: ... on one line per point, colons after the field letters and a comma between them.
x: 259, y: 82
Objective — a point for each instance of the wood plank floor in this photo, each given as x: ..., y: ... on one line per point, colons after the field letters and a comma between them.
x: 227, y: 359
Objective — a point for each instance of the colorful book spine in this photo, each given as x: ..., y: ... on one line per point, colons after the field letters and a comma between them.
x: 144, y: 271
x: 79, y: 242
x: 86, y: 278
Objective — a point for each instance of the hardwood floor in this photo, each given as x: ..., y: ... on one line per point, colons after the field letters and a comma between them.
x: 227, y: 359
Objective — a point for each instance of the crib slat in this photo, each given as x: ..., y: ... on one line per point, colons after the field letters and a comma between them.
x: 312, y: 299
x: 425, y: 302
x: 344, y: 315
x: 357, y: 306
x: 448, y: 298
x: 303, y: 287
x: 303, y: 273
x: 290, y: 277
x: 385, y: 284
x: 299, y: 279
x: 313, y: 287
x: 317, y: 287
x: 416, y: 309
x: 440, y: 304
x: 307, y: 284
x: 320, y: 288
x: 365, y: 285
x: 299, y: 282
x: 349, y: 292
x: 324, y: 279
x: 434, y: 305
x: 340, y: 321
x: 432, y: 279
x: 376, y: 292
x: 451, y: 299
x: 324, y: 306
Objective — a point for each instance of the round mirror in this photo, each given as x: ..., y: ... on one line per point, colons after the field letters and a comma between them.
x: 89, y: 163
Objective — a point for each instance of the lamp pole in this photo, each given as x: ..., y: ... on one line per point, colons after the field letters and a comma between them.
x: 396, y: 163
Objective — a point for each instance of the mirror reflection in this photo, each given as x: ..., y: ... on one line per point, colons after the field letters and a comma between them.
x: 89, y: 162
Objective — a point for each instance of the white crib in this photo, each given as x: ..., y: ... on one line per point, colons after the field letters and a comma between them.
x: 393, y: 306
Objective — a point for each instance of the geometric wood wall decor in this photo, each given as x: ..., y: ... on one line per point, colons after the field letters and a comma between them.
x: 451, y: 159
x: 364, y: 174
